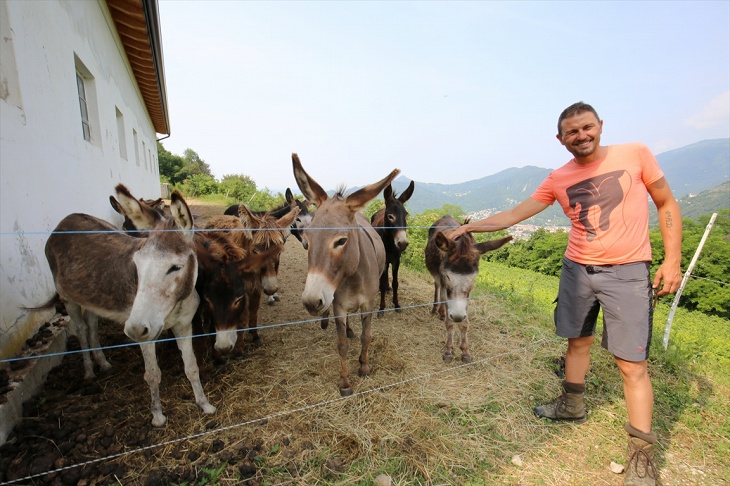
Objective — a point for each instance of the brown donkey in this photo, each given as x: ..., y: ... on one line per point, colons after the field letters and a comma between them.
x: 262, y: 236
x: 345, y: 260
x: 148, y: 284
x: 454, y: 265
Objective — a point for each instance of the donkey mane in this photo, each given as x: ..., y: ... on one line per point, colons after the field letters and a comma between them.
x: 269, y: 233
x: 221, y: 247
x: 340, y: 191
x: 463, y: 246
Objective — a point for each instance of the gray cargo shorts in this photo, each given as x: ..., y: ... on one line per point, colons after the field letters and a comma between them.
x: 624, y: 294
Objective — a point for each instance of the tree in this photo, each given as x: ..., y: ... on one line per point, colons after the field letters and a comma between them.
x: 238, y: 186
x: 199, y: 184
x: 171, y: 166
x: 194, y: 164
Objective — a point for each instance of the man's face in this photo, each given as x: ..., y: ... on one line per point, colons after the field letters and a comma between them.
x: 581, y: 134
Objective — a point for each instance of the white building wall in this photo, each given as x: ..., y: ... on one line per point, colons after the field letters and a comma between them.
x: 47, y: 169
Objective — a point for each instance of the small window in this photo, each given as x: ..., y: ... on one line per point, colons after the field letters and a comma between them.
x: 136, y: 146
x: 121, y: 134
x: 144, y: 153
x: 88, y: 105
x: 85, y: 125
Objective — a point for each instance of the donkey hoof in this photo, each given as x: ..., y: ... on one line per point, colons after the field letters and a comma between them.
x: 398, y: 309
x: 207, y: 408
x: 324, y: 323
x: 345, y: 392
x: 380, y: 314
x: 466, y: 358
x: 448, y: 357
x: 158, y: 420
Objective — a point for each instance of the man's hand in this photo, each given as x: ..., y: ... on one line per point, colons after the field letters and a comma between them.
x: 456, y: 232
x: 667, y: 279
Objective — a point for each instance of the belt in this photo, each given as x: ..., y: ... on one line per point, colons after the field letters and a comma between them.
x: 591, y: 269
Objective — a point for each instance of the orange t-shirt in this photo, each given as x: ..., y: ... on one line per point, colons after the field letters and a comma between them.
x: 607, y: 203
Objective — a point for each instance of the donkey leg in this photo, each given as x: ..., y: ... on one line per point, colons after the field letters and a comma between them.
x: 365, y: 338
x: 93, y: 321
x: 82, y: 332
x: 343, y: 346
x: 396, y: 265
x: 153, y: 375
x: 383, y: 290
x: 464, y: 328
x: 436, y: 297
x: 242, y: 326
x: 449, y: 353
x: 183, y: 333
x: 253, y: 316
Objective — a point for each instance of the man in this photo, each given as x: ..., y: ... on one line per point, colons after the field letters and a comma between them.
x: 603, y: 190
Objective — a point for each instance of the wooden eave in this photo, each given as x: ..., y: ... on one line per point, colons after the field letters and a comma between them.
x: 138, y: 26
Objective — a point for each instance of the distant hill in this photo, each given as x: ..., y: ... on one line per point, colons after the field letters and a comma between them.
x: 690, y: 170
x: 697, y: 167
x: 706, y: 202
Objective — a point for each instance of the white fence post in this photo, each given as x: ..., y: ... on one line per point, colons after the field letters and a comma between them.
x: 675, y: 303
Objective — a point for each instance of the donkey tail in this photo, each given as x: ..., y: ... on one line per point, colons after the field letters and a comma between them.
x: 53, y: 301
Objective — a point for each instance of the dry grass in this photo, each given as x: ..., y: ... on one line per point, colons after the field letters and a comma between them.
x: 416, y: 419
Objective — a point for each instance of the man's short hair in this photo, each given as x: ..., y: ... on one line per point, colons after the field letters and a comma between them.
x: 575, y: 109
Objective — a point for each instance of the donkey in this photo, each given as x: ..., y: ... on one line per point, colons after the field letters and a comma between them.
x: 222, y: 267
x: 303, y: 219
x: 345, y: 259
x: 258, y: 235
x: 148, y: 284
x: 454, y: 265
x: 390, y: 223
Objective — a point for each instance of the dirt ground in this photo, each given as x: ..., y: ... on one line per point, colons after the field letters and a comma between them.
x: 99, y: 432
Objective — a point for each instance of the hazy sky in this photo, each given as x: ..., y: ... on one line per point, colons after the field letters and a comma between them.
x: 445, y: 91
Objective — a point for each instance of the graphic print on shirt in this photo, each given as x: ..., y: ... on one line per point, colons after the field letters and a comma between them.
x: 596, y: 200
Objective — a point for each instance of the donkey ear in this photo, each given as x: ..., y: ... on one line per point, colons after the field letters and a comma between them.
x: 287, y: 220
x: 115, y: 205
x: 358, y: 199
x: 309, y: 187
x: 443, y: 243
x: 129, y: 205
x: 181, y: 214
x: 492, y: 244
x: 158, y: 204
x: 407, y: 193
x: 250, y: 222
x: 388, y: 194
x: 289, y: 197
x: 247, y: 217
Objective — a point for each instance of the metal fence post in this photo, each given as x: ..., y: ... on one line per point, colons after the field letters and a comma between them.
x: 675, y: 303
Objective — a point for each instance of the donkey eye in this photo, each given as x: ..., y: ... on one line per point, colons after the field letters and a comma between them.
x: 174, y: 268
x: 391, y: 218
x: 341, y: 242
x: 238, y: 301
